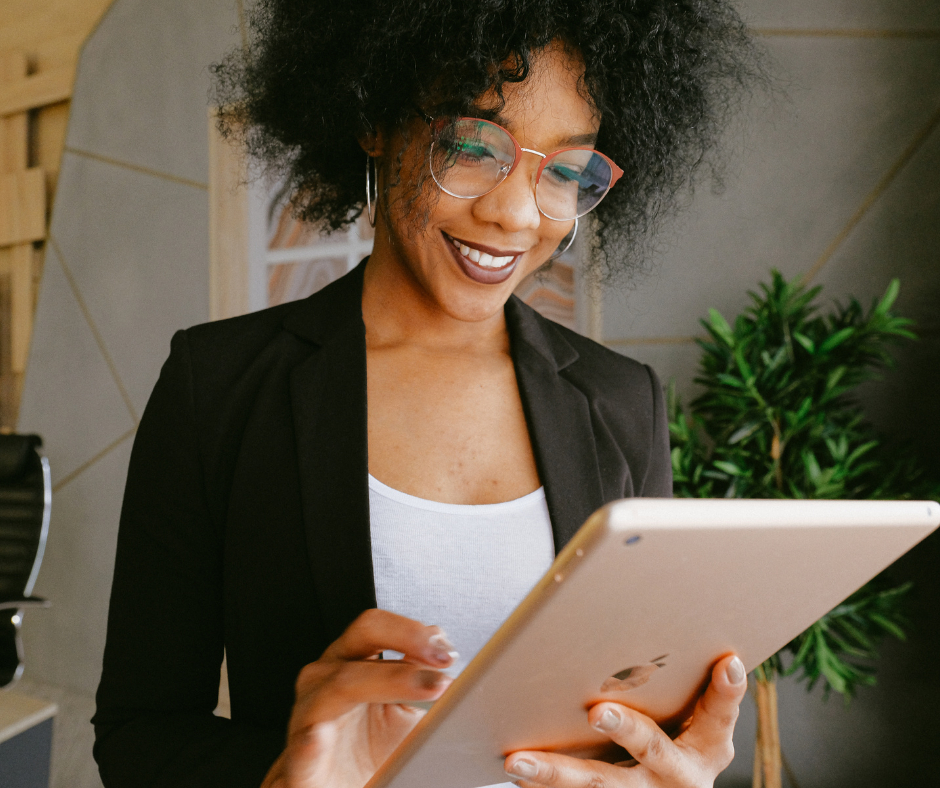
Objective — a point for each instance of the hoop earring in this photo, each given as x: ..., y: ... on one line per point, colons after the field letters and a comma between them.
x: 571, y: 236
x: 372, y: 204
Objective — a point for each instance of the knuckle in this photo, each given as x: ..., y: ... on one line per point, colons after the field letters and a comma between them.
x: 653, y: 748
x: 726, y: 718
x: 309, y: 675
x: 722, y: 714
x: 366, y: 622
x: 370, y: 617
x: 725, y: 755
x: 343, y: 681
x: 597, y: 781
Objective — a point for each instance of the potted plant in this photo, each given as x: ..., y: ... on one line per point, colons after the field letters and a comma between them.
x: 777, y: 419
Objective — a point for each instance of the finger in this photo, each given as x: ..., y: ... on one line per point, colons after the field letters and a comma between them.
x: 325, y: 693
x: 642, y: 738
x: 312, y: 754
x: 563, y: 771
x: 717, y: 711
x: 376, y: 630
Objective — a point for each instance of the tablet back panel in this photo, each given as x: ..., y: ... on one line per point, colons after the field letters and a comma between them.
x: 636, y: 608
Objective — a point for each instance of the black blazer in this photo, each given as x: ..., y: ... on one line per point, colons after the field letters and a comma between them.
x: 245, y: 522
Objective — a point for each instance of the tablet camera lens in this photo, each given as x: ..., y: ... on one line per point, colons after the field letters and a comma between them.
x: 632, y: 539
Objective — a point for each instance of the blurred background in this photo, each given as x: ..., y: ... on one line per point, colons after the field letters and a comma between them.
x: 124, y: 217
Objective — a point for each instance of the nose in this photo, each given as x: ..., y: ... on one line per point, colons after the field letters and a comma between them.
x: 512, y: 204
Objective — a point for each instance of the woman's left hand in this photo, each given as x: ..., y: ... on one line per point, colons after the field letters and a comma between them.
x: 692, y: 760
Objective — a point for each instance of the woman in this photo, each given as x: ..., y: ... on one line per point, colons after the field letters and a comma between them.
x: 294, y: 467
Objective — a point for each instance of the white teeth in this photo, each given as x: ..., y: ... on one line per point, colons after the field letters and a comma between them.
x: 481, y: 258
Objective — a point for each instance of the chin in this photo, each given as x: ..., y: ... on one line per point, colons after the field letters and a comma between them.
x: 475, y: 307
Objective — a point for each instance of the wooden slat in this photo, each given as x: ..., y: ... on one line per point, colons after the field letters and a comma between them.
x: 21, y: 305
x: 51, y: 125
x: 27, y: 24
x: 8, y: 381
x: 22, y: 207
x: 14, y: 129
x: 37, y: 90
x: 59, y: 51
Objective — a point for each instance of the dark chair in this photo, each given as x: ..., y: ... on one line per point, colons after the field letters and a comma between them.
x: 25, y: 503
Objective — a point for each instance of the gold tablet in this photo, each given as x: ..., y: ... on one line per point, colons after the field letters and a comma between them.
x: 642, y: 601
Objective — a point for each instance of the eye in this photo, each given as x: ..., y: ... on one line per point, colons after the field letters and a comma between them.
x: 469, y: 152
x: 563, y: 174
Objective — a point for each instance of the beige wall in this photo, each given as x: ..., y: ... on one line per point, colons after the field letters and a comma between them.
x: 808, y: 190
x: 127, y: 265
x: 838, y: 179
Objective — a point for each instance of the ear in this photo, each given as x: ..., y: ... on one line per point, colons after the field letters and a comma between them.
x: 373, y: 143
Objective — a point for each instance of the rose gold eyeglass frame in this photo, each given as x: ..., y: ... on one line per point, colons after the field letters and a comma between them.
x: 437, y: 125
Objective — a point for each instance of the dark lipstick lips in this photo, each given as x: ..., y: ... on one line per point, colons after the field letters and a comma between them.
x: 492, y: 251
x: 486, y: 276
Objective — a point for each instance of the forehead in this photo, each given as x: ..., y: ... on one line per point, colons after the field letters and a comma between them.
x: 547, y: 109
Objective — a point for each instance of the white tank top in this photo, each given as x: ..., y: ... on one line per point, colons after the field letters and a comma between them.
x: 461, y: 567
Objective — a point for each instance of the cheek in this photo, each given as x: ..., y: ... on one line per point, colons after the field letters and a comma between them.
x: 554, y: 235
x: 408, y: 189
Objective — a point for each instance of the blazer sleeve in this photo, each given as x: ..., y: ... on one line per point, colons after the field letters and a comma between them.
x: 658, y: 480
x: 154, y: 724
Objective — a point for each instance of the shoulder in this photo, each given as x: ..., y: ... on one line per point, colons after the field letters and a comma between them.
x: 628, y: 407
x: 599, y: 371
x: 236, y: 339
x: 226, y: 351
x: 606, y: 366
x: 626, y: 401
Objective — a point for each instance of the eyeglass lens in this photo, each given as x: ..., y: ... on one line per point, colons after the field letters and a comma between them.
x: 472, y: 157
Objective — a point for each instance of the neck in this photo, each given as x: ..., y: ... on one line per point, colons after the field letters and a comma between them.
x: 399, y: 310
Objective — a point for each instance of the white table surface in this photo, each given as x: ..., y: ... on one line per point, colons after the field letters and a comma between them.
x: 21, y: 712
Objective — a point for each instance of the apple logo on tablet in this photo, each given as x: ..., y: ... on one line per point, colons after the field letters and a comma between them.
x: 631, y: 678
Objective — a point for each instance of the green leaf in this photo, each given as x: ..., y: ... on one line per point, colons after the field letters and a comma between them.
x: 721, y: 327
x: 805, y: 341
x: 833, y: 378
x: 743, y: 432
x: 888, y: 625
x: 729, y: 467
x: 890, y: 296
x: 731, y: 380
x: 812, y: 467
x: 835, y: 340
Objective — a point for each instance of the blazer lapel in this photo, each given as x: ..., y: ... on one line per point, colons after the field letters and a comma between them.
x: 328, y: 400
x: 559, y: 420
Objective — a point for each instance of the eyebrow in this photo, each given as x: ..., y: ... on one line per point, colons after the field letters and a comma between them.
x: 568, y: 142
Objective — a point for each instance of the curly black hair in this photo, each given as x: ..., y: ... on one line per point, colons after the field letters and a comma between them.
x: 663, y: 75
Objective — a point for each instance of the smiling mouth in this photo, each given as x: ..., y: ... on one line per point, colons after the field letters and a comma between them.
x: 491, y: 262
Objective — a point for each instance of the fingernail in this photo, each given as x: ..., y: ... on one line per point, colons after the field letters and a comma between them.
x: 609, y: 721
x: 442, y: 650
x: 524, y: 768
x: 735, y: 671
x: 430, y: 679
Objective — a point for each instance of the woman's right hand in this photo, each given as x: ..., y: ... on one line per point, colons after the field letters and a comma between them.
x: 351, y: 710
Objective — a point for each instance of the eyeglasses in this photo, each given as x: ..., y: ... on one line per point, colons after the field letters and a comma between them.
x: 470, y: 157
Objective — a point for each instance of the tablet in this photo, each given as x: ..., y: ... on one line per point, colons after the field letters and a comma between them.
x: 637, y: 608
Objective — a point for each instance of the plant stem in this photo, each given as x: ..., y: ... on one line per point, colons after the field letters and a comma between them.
x: 776, y: 452
x: 769, y: 736
x: 757, y: 776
